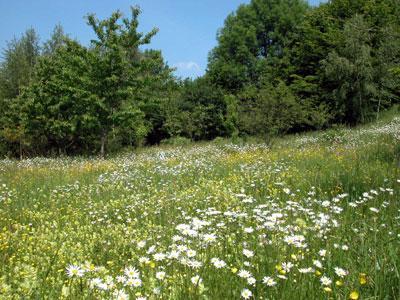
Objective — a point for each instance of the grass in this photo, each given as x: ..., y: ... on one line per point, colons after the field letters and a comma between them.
x: 315, y: 216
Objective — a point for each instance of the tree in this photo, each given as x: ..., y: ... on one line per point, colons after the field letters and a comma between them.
x: 386, y: 62
x: 350, y: 71
x: 58, y: 106
x: 19, y: 59
x: 16, y: 72
x: 58, y: 38
x: 115, y: 71
x: 253, y: 44
x: 198, y: 112
x: 269, y: 111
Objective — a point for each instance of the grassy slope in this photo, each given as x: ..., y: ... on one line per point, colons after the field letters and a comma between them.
x: 320, y: 187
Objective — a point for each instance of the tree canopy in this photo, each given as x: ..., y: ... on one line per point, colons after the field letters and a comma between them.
x: 280, y: 66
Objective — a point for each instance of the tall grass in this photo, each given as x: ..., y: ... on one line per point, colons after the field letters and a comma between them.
x: 312, y: 217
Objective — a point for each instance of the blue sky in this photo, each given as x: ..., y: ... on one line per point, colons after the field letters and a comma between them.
x: 187, y: 27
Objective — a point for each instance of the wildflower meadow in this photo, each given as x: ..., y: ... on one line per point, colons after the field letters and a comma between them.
x: 314, y: 216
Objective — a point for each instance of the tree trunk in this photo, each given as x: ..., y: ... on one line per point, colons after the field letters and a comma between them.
x: 20, y: 150
x: 103, y: 143
x: 379, y: 108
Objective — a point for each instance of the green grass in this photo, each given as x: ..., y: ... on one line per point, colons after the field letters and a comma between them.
x: 283, y: 203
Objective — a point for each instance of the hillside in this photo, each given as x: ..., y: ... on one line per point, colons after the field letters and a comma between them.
x: 310, y: 217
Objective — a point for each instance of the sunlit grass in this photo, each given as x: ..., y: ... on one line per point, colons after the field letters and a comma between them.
x: 312, y: 217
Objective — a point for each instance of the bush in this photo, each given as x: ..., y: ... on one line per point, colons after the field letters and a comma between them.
x: 268, y: 112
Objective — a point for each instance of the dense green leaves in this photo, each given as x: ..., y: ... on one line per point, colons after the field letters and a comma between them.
x: 279, y: 66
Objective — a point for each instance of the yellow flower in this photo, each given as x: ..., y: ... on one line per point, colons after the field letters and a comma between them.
x: 234, y: 270
x: 363, y: 278
x: 354, y: 295
x: 339, y: 283
x: 327, y: 289
x: 318, y: 273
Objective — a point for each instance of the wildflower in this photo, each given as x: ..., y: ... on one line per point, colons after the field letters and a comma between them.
x: 159, y: 256
x: 194, y: 264
x: 120, y: 295
x: 248, y: 253
x: 306, y: 270
x: 89, y: 267
x: 219, y: 264
x: 209, y: 238
x: 248, y: 230
x: 373, y: 209
x: 363, y: 278
x: 317, y: 263
x: 74, y: 271
x: 287, y: 266
x: 191, y: 253
x: 160, y: 275
x: 325, y: 203
x: 341, y: 272
x: 327, y: 289
x: 269, y: 281
x: 102, y: 286
x: 134, y: 282
x: 244, y: 274
x: 325, y: 280
x: 251, y: 281
x: 339, y: 283
x: 141, y: 244
x: 246, y: 294
x: 131, y: 272
x: 354, y: 295
x: 95, y: 282
x: 196, y: 280
x: 121, y: 279
x: 144, y: 260
x: 322, y: 252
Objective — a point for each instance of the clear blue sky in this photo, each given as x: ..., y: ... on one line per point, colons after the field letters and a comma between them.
x: 187, y: 27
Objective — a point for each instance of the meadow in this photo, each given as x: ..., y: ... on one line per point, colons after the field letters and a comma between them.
x: 314, y: 216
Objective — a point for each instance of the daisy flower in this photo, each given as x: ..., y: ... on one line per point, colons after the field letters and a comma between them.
x: 74, y: 271
x: 246, y: 294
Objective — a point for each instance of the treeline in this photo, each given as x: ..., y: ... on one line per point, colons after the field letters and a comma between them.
x: 280, y: 66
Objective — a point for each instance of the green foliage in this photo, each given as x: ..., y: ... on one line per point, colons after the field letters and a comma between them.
x: 19, y: 59
x: 280, y: 66
x: 57, y: 40
x: 270, y: 111
x: 351, y: 71
x: 116, y: 67
x: 78, y: 100
x: 176, y: 141
x: 59, y: 105
x: 253, y: 43
x: 199, y: 112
